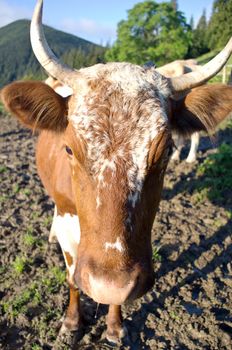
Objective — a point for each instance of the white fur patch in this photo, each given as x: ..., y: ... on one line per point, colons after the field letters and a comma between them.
x: 98, y: 201
x: 117, y: 245
x: 71, y: 269
x: 64, y: 91
x: 67, y: 230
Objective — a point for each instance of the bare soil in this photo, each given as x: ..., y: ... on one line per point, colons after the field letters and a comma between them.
x: 191, y: 302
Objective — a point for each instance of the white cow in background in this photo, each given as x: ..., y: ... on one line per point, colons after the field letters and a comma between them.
x: 179, y: 143
x: 175, y: 69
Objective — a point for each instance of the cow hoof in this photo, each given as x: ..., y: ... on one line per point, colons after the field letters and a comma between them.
x: 115, y: 335
x: 175, y: 159
x: 69, y: 325
x: 67, y: 339
x: 190, y: 160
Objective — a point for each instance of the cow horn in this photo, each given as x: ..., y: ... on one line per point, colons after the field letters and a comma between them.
x: 203, y: 73
x: 42, y: 51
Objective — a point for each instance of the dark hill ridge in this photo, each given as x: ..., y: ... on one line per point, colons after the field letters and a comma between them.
x: 17, y: 59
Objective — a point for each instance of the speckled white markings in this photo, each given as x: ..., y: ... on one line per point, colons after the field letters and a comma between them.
x: 133, y: 130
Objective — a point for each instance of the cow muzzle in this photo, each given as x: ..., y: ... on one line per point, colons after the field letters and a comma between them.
x: 115, y: 287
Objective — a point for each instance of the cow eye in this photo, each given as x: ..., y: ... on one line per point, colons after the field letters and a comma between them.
x: 68, y: 150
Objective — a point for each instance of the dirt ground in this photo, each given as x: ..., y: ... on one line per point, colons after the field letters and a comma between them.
x: 191, y: 302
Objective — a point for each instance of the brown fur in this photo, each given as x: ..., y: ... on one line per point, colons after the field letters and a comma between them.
x: 203, y: 108
x: 36, y: 105
x: 55, y: 174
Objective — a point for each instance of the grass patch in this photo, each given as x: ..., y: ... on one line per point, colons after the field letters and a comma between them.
x: 26, y: 191
x: 34, y: 215
x: 19, y: 304
x: 200, y: 195
x: 54, y: 280
x: 3, y: 169
x: 209, y: 56
x: 30, y: 239
x: 3, y: 198
x: 15, y: 189
x: 35, y: 295
x: 41, y: 324
x: 48, y: 221
x: 174, y: 315
x: 156, y: 255
x: 2, y: 110
x: 3, y: 270
x: 36, y: 347
x: 20, y: 264
x: 229, y: 123
x: 226, y: 123
x: 216, y: 176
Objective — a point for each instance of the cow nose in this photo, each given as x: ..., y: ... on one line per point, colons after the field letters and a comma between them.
x: 108, y: 292
x: 117, y: 287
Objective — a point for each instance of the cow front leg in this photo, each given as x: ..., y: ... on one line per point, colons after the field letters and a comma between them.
x: 195, y: 140
x: 179, y: 144
x: 115, y: 330
x: 72, y: 320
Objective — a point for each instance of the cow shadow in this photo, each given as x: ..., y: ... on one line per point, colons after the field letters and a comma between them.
x: 10, y: 335
x: 185, y: 259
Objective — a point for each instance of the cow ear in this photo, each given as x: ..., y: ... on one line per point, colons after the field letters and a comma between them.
x: 203, y: 108
x: 36, y: 105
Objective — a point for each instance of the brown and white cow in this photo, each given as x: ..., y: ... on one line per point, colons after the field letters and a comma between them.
x: 175, y: 69
x: 102, y: 154
x: 178, y: 68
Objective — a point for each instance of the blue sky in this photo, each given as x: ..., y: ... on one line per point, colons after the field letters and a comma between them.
x: 94, y: 20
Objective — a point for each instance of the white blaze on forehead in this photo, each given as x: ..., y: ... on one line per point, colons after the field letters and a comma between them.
x: 132, y: 132
x: 116, y: 245
x: 67, y: 230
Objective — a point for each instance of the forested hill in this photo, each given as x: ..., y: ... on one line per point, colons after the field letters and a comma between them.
x: 17, y: 60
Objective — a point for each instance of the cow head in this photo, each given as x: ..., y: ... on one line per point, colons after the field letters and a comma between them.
x: 116, y: 132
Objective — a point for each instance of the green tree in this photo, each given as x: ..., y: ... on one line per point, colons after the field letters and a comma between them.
x: 191, y: 23
x: 152, y: 32
x: 220, y: 25
x: 78, y: 58
x: 199, y: 38
x: 174, y: 5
